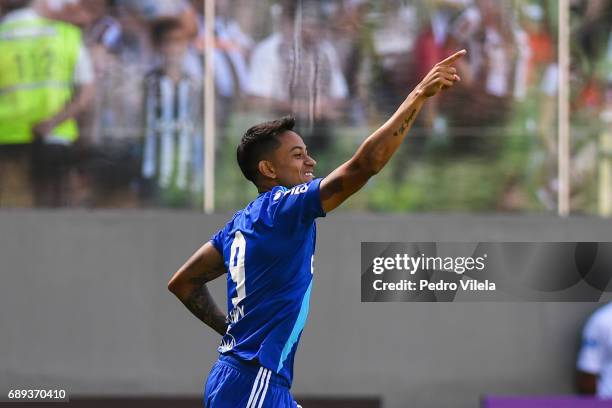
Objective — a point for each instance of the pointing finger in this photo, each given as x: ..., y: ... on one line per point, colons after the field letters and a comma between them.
x: 450, y: 60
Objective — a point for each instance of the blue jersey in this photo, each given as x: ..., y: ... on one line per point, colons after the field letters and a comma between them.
x: 268, y: 250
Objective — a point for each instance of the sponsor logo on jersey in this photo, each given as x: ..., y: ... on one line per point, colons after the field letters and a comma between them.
x: 236, y: 314
x: 228, y: 342
x: 302, y: 188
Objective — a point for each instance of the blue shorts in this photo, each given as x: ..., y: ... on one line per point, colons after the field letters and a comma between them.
x: 233, y: 383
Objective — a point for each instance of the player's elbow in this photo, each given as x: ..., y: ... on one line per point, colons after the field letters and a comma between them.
x: 174, y: 285
x: 369, y: 166
x: 371, y: 160
x: 360, y: 169
x: 375, y: 168
x: 171, y: 286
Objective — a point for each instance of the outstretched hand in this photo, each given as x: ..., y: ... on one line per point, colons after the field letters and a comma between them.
x: 442, y: 76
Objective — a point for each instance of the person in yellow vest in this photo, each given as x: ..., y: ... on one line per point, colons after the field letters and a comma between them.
x: 46, y: 79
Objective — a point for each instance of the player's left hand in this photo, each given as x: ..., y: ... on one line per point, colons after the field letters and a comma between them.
x: 42, y: 129
x: 442, y: 76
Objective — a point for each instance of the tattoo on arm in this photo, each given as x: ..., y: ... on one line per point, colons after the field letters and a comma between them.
x: 405, y: 124
x: 370, y: 158
x: 202, y: 305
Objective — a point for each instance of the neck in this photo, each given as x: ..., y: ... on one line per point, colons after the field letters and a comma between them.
x: 266, y: 186
x: 173, y: 71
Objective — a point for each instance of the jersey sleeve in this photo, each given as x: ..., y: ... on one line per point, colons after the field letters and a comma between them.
x: 217, y: 240
x: 592, y: 350
x: 299, y: 205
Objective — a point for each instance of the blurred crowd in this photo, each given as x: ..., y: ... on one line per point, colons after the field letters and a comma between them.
x: 101, y: 101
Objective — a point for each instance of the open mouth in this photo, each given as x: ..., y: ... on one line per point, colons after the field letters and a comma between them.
x: 309, y: 174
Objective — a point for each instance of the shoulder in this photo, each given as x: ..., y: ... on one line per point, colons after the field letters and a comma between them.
x: 235, y: 218
x: 277, y: 193
x: 280, y: 194
x: 600, y: 320
x: 603, y: 314
x: 268, y: 44
x: 226, y: 230
x: 65, y: 28
x: 302, y: 199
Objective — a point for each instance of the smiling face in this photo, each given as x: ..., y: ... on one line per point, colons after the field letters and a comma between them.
x: 290, y: 161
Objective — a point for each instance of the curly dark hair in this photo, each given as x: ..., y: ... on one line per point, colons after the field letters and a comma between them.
x: 258, y: 141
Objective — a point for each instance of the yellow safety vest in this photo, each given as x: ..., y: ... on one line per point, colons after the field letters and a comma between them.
x: 37, y: 61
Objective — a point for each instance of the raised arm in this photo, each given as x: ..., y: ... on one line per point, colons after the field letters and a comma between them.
x: 377, y: 149
x: 189, y: 285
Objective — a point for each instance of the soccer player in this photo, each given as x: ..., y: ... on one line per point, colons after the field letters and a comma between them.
x: 594, y: 364
x: 268, y: 248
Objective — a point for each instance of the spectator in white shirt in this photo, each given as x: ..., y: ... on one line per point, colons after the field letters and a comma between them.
x: 297, y: 70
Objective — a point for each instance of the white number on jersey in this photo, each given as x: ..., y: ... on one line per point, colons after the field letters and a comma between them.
x: 236, y: 261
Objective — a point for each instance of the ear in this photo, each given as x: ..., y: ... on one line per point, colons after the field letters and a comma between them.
x: 267, y: 169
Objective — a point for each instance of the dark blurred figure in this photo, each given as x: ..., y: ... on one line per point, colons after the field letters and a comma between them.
x: 433, y: 43
x: 152, y: 10
x: 394, y: 33
x: 45, y: 81
x: 110, y: 163
x: 231, y: 50
x: 123, y: 52
x: 496, y: 50
x: 104, y: 39
x: 589, y: 92
x: 172, y: 153
x: 137, y: 18
x: 297, y: 70
x: 352, y: 39
x: 594, y: 29
x: 437, y: 37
